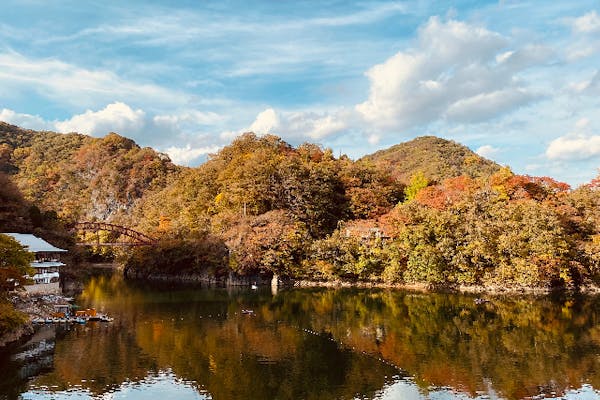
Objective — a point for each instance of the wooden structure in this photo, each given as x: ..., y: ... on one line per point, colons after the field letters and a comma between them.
x: 46, y: 263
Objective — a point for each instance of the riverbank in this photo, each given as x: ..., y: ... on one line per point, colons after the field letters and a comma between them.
x: 240, y: 280
x: 17, y: 335
x: 31, y: 306
x: 206, y: 278
x: 426, y: 288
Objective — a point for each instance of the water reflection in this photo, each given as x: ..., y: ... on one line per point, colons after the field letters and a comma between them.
x: 313, y: 344
x: 164, y: 385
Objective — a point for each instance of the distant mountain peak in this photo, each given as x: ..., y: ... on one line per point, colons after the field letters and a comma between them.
x: 436, y: 157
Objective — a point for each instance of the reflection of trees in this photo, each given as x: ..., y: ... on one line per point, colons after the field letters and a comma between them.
x: 99, y: 357
x: 202, y: 336
x: 522, y: 346
x: 516, y: 346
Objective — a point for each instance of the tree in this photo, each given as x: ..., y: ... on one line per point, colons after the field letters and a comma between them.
x: 270, y: 243
x: 417, y: 182
x: 14, y: 263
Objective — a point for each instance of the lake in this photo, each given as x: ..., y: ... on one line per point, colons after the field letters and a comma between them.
x: 185, y: 342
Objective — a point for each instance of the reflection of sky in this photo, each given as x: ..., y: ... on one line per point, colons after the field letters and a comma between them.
x: 163, y: 386
x: 167, y: 386
x: 405, y: 389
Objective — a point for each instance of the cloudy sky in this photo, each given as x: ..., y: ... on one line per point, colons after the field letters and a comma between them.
x: 516, y: 81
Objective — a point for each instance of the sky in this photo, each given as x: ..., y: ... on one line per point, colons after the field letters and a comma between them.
x: 516, y: 81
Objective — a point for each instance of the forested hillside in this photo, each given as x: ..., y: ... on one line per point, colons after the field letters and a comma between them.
x: 435, y: 157
x: 429, y: 211
x: 80, y: 177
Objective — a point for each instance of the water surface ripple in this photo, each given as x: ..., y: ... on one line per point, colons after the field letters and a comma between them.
x: 197, y: 343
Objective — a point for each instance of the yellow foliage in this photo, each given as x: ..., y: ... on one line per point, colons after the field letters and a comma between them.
x: 164, y: 224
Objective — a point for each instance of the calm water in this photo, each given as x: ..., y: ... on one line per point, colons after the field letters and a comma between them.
x: 191, y: 343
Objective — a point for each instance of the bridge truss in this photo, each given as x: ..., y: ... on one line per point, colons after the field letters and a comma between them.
x: 135, y: 238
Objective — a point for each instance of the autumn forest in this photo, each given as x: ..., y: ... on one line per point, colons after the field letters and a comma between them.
x: 428, y: 212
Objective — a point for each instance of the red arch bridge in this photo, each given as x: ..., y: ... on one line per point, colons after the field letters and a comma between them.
x: 122, y: 236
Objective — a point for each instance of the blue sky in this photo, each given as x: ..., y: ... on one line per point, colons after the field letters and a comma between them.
x: 516, y: 81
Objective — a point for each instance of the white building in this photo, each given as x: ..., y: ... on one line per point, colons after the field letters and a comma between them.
x: 46, y: 264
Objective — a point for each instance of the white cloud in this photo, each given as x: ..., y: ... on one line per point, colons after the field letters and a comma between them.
x: 229, y: 135
x: 24, y: 120
x: 181, y: 26
x: 574, y: 147
x: 181, y: 123
x: 487, y: 151
x: 581, y: 124
x: 580, y: 144
x: 266, y: 121
x: 313, y: 125
x: 369, y: 15
x: 188, y: 155
x: 81, y: 87
x: 373, y: 138
x: 303, y: 125
x: 587, y: 23
x: 192, y: 117
x: 484, y: 106
x: 580, y: 50
x: 115, y: 117
x: 589, y: 87
x: 457, y: 72
x: 585, y: 41
x: 159, y: 131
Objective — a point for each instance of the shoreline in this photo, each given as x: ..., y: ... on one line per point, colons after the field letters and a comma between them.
x: 466, y: 289
x: 245, y: 280
x: 32, y: 306
x: 41, y: 305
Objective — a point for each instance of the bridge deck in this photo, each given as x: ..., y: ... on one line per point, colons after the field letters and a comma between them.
x: 137, y: 238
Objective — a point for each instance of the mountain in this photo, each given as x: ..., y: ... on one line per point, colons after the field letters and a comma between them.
x: 115, y: 180
x: 81, y: 177
x: 435, y: 157
x: 261, y: 205
x: 14, y: 213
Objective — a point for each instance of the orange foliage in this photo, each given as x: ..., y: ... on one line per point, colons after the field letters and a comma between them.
x: 449, y: 192
x: 595, y: 183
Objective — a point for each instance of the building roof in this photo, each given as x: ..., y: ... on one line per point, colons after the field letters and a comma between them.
x: 34, y: 243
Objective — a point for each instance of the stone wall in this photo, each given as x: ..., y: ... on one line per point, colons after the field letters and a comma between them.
x: 44, y: 288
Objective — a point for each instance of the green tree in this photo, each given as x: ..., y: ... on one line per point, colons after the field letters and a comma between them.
x: 417, y: 182
x: 14, y: 263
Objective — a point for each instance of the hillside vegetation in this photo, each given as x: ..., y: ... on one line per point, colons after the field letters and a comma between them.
x: 429, y: 211
x: 80, y: 177
x: 435, y: 157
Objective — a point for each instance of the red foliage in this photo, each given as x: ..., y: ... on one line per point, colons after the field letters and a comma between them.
x: 551, y: 184
x: 534, y: 187
x: 390, y: 222
x: 434, y: 197
x: 595, y: 183
x: 449, y: 192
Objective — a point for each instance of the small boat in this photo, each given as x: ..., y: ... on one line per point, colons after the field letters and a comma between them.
x: 253, y: 286
x: 247, y: 312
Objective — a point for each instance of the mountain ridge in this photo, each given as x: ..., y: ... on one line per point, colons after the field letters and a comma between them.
x: 435, y: 157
